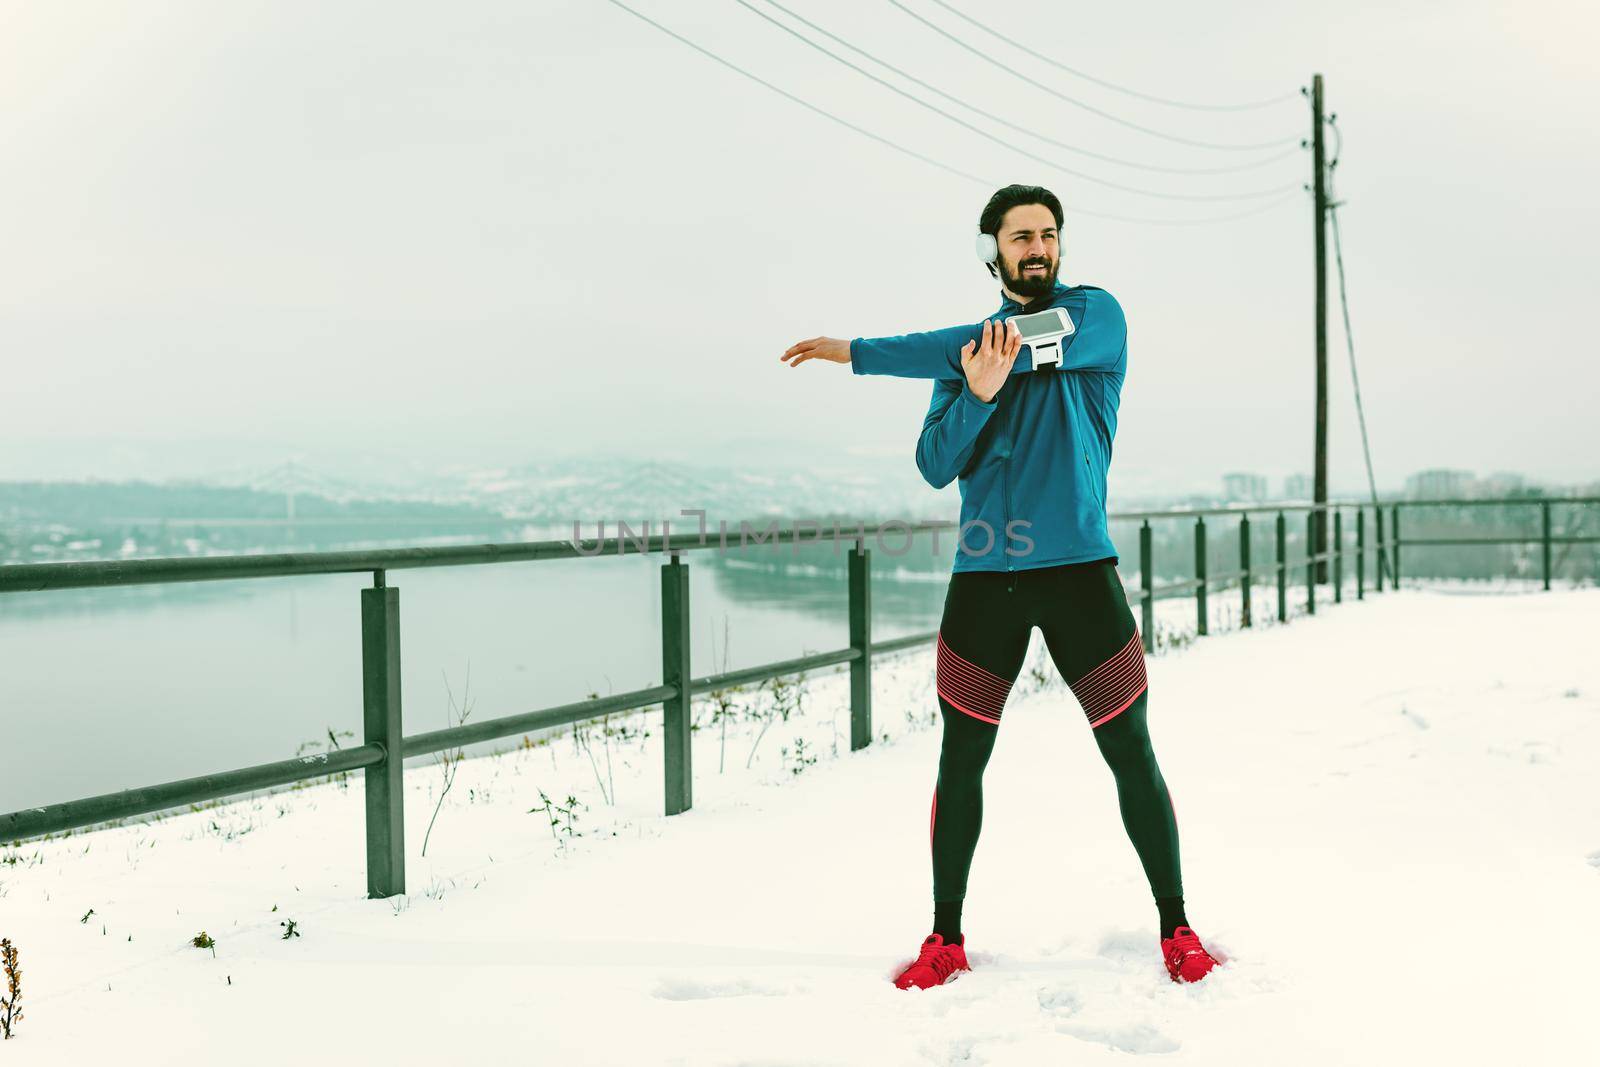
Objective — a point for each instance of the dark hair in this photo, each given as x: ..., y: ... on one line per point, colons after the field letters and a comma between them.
x: 1012, y: 196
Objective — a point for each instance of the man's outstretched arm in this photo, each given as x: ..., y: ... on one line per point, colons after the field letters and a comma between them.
x: 929, y: 354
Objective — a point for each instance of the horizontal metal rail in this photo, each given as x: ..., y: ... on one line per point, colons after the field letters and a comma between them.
x: 898, y: 644
x: 54, y: 818
x: 1489, y: 502
x: 322, y: 520
x: 526, y: 722
x: 491, y: 729
x: 544, y: 718
x: 1502, y: 540
x: 1271, y: 508
x: 85, y: 574
x: 38, y: 577
x: 761, y: 672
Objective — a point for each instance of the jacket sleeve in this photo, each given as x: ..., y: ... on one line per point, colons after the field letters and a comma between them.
x: 929, y: 354
x: 1100, y: 342
x: 950, y: 431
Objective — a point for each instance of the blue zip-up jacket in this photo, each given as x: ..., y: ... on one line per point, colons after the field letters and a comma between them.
x: 1032, y: 461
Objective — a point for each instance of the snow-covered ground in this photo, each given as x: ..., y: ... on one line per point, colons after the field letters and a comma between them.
x: 1389, y: 825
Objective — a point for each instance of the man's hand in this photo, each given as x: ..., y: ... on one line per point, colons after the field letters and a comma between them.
x: 988, y: 367
x: 829, y: 348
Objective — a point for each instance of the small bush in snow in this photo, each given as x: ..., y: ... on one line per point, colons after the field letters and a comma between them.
x: 787, y: 697
x: 449, y: 759
x: 10, y: 1013
x: 557, y: 812
x: 803, y: 757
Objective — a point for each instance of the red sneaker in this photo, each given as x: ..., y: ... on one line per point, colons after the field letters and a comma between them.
x: 1187, y: 960
x: 935, y: 963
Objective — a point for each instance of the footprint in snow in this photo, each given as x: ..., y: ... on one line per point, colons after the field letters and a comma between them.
x: 1129, y: 946
x: 1141, y: 1039
x: 1060, y: 1000
x: 1594, y: 858
x: 1531, y: 752
x: 1538, y: 751
x: 673, y: 988
x: 959, y: 1051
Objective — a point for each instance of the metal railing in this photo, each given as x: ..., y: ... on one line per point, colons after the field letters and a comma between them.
x: 385, y: 747
x: 1383, y: 546
x: 1279, y: 569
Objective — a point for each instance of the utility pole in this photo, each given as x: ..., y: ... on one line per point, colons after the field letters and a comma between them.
x: 1320, y: 194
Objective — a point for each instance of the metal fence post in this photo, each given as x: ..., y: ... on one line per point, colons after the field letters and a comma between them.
x: 1544, y: 507
x: 1244, y: 565
x: 861, y: 640
x: 1361, y: 554
x: 1283, y: 571
x: 1394, y: 525
x: 676, y: 709
x: 1380, y: 550
x: 384, y: 783
x: 1311, y: 562
x: 1338, y: 558
x: 1200, y: 573
x: 1147, y: 603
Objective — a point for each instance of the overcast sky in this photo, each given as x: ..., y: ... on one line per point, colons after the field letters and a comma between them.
x: 489, y: 232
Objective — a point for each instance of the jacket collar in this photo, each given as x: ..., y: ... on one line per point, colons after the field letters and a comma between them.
x: 1008, y: 305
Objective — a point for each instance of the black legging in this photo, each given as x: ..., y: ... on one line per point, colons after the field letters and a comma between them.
x: 983, y: 638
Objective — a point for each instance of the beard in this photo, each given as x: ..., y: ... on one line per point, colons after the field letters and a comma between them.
x: 1031, y: 286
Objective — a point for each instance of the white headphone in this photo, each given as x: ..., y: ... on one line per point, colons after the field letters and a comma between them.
x: 988, y: 249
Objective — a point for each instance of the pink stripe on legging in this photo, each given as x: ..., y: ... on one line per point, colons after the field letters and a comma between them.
x: 1097, y: 723
x: 1111, y: 688
x: 978, y: 692
x: 974, y: 714
x: 970, y: 673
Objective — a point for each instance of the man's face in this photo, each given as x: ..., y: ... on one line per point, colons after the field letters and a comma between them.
x: 1030, y: 250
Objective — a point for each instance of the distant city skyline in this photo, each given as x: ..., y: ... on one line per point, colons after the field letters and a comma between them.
x: 1433, y: 483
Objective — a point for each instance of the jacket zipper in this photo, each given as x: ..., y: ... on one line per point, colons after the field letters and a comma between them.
x: 1005, y: 484
x: 1005, y: 489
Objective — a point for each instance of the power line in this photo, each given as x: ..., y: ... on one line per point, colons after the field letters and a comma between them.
x: 963, y: 123
x: 1023, y: 129
x: 1344, y: 305
x: 990, y: 182
x: 1350, y: 345
x: 1111, y: 85
x: 913, y: 153
x: 941, y: 31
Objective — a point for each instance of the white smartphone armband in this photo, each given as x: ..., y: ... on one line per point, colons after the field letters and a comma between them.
x: 1042, y: 332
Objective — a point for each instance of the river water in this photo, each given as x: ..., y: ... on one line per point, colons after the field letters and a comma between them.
x: 107, y: 689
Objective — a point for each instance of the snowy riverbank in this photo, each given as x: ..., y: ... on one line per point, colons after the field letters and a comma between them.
x: 1388, y: 821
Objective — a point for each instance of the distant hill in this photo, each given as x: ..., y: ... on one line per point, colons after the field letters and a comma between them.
x: 77, y: 503
x: 43, y: 521
x: 610, y: 488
